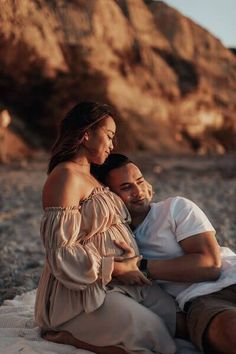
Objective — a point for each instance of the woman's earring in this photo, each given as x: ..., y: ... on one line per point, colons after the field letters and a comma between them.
x: 85, y: 136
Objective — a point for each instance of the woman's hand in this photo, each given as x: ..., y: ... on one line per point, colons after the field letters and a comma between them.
x: 128, y: 251
x: 128, y: 273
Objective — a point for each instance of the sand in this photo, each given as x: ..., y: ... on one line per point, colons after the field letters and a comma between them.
x: 208, y: 181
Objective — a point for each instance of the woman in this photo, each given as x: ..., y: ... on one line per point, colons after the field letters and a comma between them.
x: 85, y: 293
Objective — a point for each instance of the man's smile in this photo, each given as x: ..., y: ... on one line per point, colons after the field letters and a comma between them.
x: 138, y: 201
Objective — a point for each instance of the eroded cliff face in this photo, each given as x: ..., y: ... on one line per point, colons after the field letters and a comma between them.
x: 172, y: 82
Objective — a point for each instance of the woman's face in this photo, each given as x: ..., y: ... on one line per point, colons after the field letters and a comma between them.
x: 99, y: 141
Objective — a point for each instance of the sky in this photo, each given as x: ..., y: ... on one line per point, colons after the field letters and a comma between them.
x: 216, y: 16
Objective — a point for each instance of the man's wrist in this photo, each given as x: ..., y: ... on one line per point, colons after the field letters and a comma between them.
x: 143, y: 268
x: 143, y: 265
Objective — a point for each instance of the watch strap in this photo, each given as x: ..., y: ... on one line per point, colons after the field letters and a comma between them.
x: 143, y: 265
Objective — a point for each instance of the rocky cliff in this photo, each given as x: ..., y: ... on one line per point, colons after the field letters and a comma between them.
x: 172, y: 82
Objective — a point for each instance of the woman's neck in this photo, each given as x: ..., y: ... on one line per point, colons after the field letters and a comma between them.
x: 82, y: 164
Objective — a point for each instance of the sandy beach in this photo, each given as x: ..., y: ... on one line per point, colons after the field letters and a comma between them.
x: 208, y: 181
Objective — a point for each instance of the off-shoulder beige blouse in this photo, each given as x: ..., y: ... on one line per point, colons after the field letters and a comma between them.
x: 79, y: 251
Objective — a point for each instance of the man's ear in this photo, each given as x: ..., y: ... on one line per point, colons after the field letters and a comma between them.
x: 150, y: 189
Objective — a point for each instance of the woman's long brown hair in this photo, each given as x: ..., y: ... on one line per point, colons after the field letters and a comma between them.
x: 78, y: 120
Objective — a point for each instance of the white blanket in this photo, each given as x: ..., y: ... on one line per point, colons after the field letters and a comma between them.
x: 20, y: 334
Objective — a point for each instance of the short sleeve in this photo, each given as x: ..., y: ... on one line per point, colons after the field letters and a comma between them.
x: 75, y: 265
x: 188, y: 219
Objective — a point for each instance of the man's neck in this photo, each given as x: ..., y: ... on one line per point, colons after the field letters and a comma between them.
x: 137, y: 218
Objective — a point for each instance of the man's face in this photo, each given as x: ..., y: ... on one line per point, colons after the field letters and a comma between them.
x: 128, y: 182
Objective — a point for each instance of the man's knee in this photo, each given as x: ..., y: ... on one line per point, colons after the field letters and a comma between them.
x: 223, y: 323
x: 221, y: 332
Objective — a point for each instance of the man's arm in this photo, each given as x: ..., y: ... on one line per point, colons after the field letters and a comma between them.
x: 200, y: 262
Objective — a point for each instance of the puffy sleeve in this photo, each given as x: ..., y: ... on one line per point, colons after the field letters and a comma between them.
x: 188, y: 219
x: 75, y: 265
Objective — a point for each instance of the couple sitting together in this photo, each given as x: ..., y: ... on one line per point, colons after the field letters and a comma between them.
x: 96, y: 292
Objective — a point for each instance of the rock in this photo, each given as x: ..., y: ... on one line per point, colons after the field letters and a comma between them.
x: 172, y: 82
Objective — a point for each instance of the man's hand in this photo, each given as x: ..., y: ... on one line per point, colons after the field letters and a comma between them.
x: 128, y: 273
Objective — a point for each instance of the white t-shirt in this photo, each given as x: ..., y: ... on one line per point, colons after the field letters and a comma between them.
x: 158, y: 236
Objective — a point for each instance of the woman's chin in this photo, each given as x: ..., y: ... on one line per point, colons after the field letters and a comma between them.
x: 100, y: 161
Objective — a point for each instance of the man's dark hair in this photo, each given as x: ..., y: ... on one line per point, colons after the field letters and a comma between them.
x: 101, y: 172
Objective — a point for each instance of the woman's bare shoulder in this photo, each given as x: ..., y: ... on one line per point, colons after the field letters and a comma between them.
x: 64, y: 187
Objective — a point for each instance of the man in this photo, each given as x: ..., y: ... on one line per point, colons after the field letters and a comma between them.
x: 178, y: 243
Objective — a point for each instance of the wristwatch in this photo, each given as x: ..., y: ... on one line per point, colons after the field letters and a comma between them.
x: 143, y: 264
x: 143, y: 268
